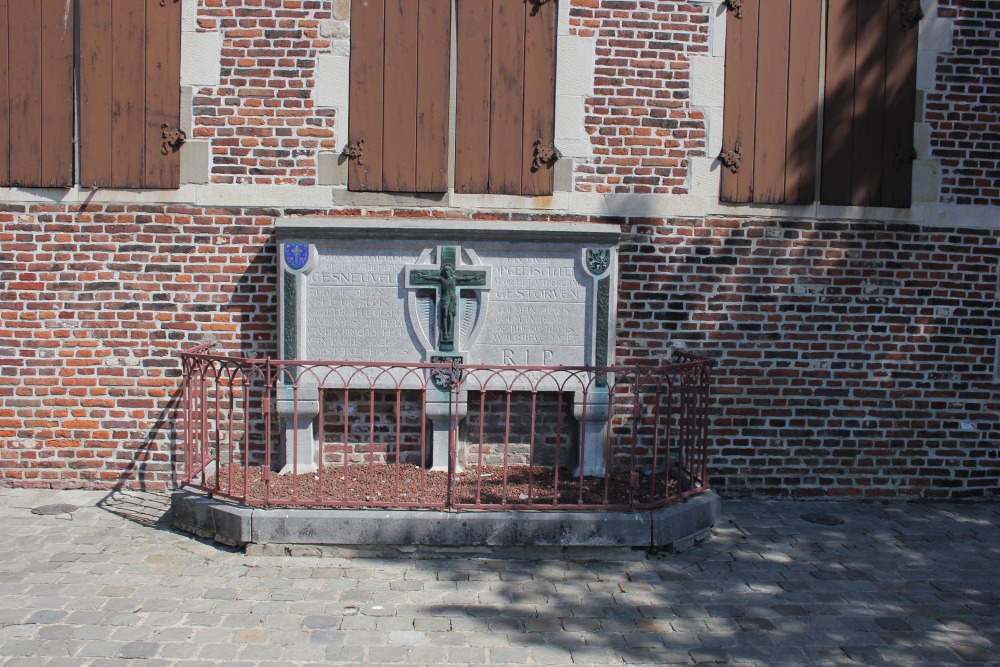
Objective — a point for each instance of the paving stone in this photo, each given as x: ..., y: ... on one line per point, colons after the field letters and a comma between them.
x: 709, y: 655
x: 975, y: 653
x: 328, y: 637
x: 755, y: 624
x: 138, y: 650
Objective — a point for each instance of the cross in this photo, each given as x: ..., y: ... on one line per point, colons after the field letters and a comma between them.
x: 447, y: 280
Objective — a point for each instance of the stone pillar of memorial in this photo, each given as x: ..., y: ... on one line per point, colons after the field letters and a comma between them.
x: 297, y: 410
x: 591, y: 411
x: 443, y: 414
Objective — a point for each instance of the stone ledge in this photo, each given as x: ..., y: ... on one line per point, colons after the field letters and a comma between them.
x: 673, y: 528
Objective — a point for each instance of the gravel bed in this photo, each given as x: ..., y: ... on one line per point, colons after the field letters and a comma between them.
x: 381, y: 485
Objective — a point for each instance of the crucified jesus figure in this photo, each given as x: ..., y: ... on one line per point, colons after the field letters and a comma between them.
x: 448, y: 282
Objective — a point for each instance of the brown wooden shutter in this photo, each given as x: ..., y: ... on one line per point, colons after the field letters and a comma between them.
x: 506, y: 96
x: 870, y: 100
x: 129, y: 93
x: 398, y: 122
x: 771, y: 98
x: 36, y: 93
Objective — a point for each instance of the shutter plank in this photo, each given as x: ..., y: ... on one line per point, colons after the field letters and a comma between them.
x: 57, y: 94
x: 838, y: 109
x: 5, y: 137
x: 900, y: 110
x: 507, y: 97
x: 365, y: 112
x: 399, y: 134
x: 772, y: 96
x: 162, y: 94
x: 95, y: 93
x: 434, y: 65
x: 25, y: 62
x: 539, y: 94
x: 474, y: 20
x: 739, y: 113
x: 128, y: 28
x: 803, y: 101
x: 869, y: 104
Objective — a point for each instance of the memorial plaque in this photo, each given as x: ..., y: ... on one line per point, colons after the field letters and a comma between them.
x: 503, y: 294
x: 491, y: 302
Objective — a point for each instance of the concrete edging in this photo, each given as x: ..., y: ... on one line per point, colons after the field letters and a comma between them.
x: 674, y: 527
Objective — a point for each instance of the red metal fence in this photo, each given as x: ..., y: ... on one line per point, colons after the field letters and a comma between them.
x: 267, y: 433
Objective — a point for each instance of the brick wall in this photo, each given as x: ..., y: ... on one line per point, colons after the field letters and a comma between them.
x: 640, y: 120
x: 962, y: 109
x: 851, y: 355
x: 94, y: 301
x: 261, y: 119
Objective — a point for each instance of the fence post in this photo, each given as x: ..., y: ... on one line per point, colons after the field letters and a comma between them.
x: 455, y: 376
x: 266, y: 400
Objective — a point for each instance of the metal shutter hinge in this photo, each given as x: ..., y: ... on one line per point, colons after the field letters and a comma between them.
x: 355, y: 151
x: 732, y: 159
x: 544, y: 155
x: 172, y: 139
x: 536, y: 5
x: 909, y: 16
x: 903, y: 156
x: 735, y: 6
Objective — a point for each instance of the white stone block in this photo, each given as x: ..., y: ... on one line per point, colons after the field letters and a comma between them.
x: 714, y: 207
x: 922, y: 139
x: 708, y: 81
x: 571, y: 135
x: 264, y: 195
x: 926, y: 65
x: 333, y: 85
x: 189, y: 15
x: 196, y: 162
x: 340, y: 47
x: 717, y: 29
x: 926, y: 181
x: 705, y: 177
x: 655, y: 206
x: 713, y: 126
x: 573, y: 148
x: 201, y: 53
x: 333, y: 81
x: 574, y: 66
x: 936, y: 34
x: 562, y: 20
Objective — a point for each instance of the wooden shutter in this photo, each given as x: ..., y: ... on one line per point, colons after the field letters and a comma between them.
x: 398, y: 122
x: 129, y: 93
x: 36, y: 93
x: 870, y: 99
x: 506, y: 96
x: 771, y: 99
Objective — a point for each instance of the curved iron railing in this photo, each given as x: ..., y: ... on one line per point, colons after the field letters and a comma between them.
x: 268, y: 433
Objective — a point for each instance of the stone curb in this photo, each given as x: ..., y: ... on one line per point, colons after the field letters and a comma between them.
x: 674, y: 527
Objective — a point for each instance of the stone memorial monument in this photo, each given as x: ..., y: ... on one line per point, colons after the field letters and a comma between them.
x: 457, y: 292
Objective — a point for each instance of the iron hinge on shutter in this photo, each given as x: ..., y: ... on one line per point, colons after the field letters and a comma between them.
x: 172, y: 139
x: 355, y: 151
x: 909, y: 16
x: 735, y: 6
x: 544, y: 155
x: 536, y: 5
x: 732, y: 159
x: 902, y: 156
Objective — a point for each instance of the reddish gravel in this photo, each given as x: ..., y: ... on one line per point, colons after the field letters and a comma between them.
x: 385, y: 485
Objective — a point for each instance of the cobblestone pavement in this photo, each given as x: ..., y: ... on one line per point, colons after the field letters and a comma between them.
x: 111, y: 584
